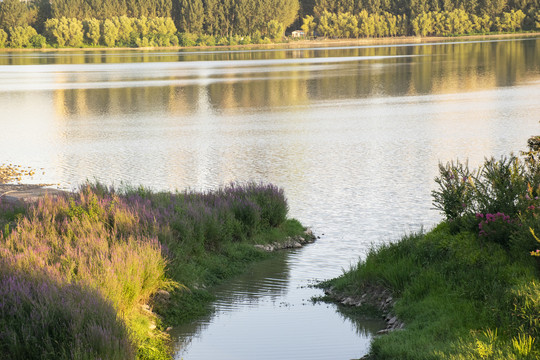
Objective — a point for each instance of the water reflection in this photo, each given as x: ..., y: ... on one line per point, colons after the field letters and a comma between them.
x: 182, y: 83
x: 261, y: 305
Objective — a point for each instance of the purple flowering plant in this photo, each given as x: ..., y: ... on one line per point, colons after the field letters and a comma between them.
x: 496, y: 227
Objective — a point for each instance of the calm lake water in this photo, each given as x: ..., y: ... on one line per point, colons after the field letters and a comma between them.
x: 353, y: 134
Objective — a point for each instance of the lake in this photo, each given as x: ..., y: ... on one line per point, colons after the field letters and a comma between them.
x: 353, y: 134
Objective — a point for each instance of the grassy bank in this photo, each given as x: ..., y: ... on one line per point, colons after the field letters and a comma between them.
x: 101, y: 273
x: 468, y: 289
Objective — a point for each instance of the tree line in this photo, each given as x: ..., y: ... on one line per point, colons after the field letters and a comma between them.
x: 432, y: 23
x: 40, y: 23
x: 211, y: 17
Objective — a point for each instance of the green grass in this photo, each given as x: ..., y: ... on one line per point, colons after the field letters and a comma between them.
x: 200, y: 273
x: 451, y: 290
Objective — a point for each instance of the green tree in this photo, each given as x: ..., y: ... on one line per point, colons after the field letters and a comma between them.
x: 366, y: 24
x: 492, y: 7
x: 422, y: 25
x: 275, y: 30
x: 391, y: 23
x: 324, y: 27
x: 322, y: 6
x: 481, y: 24
x: 109, y: 33
x: 140, y: 26
x: 64, y: 32
x: 3, y: 38
x: 43, y: 12
x: 125, y: 28
x: 513, y: 20
x: 76, y: 33
x: 92, y: 31
x: 190, y: 17
x: 78, y: 9
x: 19, y: 36
x: 309, y: 25
x: 13, y: 13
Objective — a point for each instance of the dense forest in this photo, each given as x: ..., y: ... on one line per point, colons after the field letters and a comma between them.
x: 138, y: 23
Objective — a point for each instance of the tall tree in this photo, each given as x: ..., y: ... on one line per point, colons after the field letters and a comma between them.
x: 13, y: 13
x: 190, y: 16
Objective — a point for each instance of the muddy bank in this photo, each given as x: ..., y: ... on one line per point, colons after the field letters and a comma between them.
x: 372, y: 296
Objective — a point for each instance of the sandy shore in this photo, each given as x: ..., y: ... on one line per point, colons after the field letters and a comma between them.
x: 14, y: 193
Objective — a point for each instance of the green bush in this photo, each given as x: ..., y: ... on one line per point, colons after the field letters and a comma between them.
x: 455, y: 191
x: 500, y: 200
x: 187, y: 39
x: 38, y: 41
x: 206, y: 40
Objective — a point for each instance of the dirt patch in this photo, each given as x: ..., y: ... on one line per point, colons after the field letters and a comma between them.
x: 15, y: 193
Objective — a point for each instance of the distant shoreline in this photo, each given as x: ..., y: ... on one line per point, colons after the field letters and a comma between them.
x: 301, y: 43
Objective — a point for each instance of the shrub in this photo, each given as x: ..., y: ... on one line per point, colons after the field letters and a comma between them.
x: 187, y: 39
x: 503, y: 194
x: 206, y: 40
x: 38, y: 41
x: 499, y: 185
x: 496, y: 227
x: 455, y: 189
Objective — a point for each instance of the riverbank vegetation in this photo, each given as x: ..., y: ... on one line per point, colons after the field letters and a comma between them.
x: 110, y: 23
x: 470, y: 288
x: 84, y: 275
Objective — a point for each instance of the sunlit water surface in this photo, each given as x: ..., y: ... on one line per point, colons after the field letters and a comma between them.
x: 353, y: 134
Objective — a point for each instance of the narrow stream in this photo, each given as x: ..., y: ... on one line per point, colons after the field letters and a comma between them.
x: 271, y: 303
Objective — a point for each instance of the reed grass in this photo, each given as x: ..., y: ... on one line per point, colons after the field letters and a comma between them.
x: 94, y: 259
